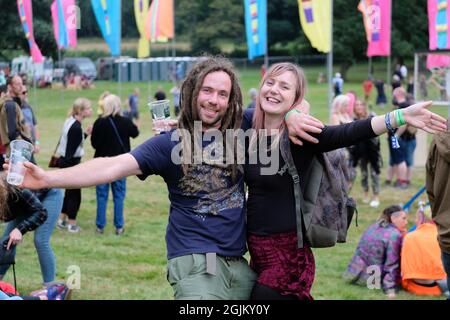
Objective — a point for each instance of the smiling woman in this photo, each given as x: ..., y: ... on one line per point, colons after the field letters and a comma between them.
x: 281, y: 91
x: 280, y: 253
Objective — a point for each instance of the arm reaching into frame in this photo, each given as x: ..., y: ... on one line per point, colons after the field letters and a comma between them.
x: 90, y: 173
x: 416, y: 115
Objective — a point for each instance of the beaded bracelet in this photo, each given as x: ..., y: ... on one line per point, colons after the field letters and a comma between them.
x: 394, y: 140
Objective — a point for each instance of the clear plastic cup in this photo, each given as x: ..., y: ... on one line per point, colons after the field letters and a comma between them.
x: 160, y: 112
x: 21, y: 151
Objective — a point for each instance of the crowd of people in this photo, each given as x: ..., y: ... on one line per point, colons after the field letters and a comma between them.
x: 212, y: 221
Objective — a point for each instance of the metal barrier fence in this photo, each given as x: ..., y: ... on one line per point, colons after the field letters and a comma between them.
x: 175, y: 68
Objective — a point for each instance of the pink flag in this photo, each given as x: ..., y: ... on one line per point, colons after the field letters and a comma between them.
x: 437, y: 61
x: 438, y: 24
x: 377, y: 22
x: 26, y: 19
x: 64, y: 16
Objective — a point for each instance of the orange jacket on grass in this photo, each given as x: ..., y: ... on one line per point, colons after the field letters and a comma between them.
x: 421, y: 259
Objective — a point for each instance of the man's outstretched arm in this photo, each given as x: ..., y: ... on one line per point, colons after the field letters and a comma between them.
x: 90, y: 173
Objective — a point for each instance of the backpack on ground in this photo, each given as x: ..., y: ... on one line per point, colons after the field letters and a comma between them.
x: 324, y: 211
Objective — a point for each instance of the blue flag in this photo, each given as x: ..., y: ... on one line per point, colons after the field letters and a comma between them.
x: 256, y: 27
x: 108, y: 15
x: 63, y: 37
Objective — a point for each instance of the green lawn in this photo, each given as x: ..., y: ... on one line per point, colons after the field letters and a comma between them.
x: 134, y: 266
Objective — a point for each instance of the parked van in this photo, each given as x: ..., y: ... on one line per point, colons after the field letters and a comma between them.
x: 41, y: 72
x: 79, y: 66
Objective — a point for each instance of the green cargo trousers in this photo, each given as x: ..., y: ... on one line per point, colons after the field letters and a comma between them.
x: 189, y: 279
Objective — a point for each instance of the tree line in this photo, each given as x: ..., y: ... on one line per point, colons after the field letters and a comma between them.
x: 205, y: 24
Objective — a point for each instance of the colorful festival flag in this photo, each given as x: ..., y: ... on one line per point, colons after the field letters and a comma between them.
x: 438, y: 22
x: 109, y: 19
x: 316, y: 19
x: 438, y: 61
x: 26, y: 19
x: 256, y: 27
x: 64, y: 16
x: 159, y: 26
x: 140, y: 12
x: 377, y: 22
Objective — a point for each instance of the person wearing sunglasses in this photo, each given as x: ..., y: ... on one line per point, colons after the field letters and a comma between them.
x: 30, y: 119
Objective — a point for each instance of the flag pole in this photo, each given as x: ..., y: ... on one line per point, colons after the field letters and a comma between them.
x: 388, y: 73
x: 34, y: 85
x: 389, y: 57
x: 120, y: 53
x: 61, y: 95
x: 174, y: 50
x: 266, y: 56
x: 330, y: 65
x: 120, y: 77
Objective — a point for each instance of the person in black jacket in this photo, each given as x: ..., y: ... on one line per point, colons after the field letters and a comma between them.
x: 365, y: 153
x: 70, y: 148
x: 110, y: 137
x: 15, y: 203
x: 24, y: 208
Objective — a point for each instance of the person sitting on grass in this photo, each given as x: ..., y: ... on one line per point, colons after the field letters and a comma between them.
x: 421, y: 264
x: 23, y: 209
x: 377, y: 257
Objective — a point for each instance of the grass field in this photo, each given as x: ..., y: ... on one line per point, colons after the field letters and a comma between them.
x: 133, y: 266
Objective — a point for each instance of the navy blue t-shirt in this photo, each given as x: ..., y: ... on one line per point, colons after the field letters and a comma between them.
x: 207, y: 210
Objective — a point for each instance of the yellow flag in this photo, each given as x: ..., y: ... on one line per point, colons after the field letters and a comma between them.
x: 140, y: 12
x: 315, y: 18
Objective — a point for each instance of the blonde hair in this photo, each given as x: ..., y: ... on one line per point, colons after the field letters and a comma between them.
x: 79, y: 106
x: 339, y: 107
x: 102, y: 97
x: 111, y: 106
x: 340, y: 103
x: 425, y: 215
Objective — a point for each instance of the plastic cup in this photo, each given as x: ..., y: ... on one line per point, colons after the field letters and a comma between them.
x: 21, y: 151
x: 160, y: 112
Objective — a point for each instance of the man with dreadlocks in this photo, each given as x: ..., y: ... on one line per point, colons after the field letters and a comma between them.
x: 206, y: 233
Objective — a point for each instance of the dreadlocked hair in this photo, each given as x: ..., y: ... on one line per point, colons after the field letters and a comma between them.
x: 5, y: 190
x: 188, y: 102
